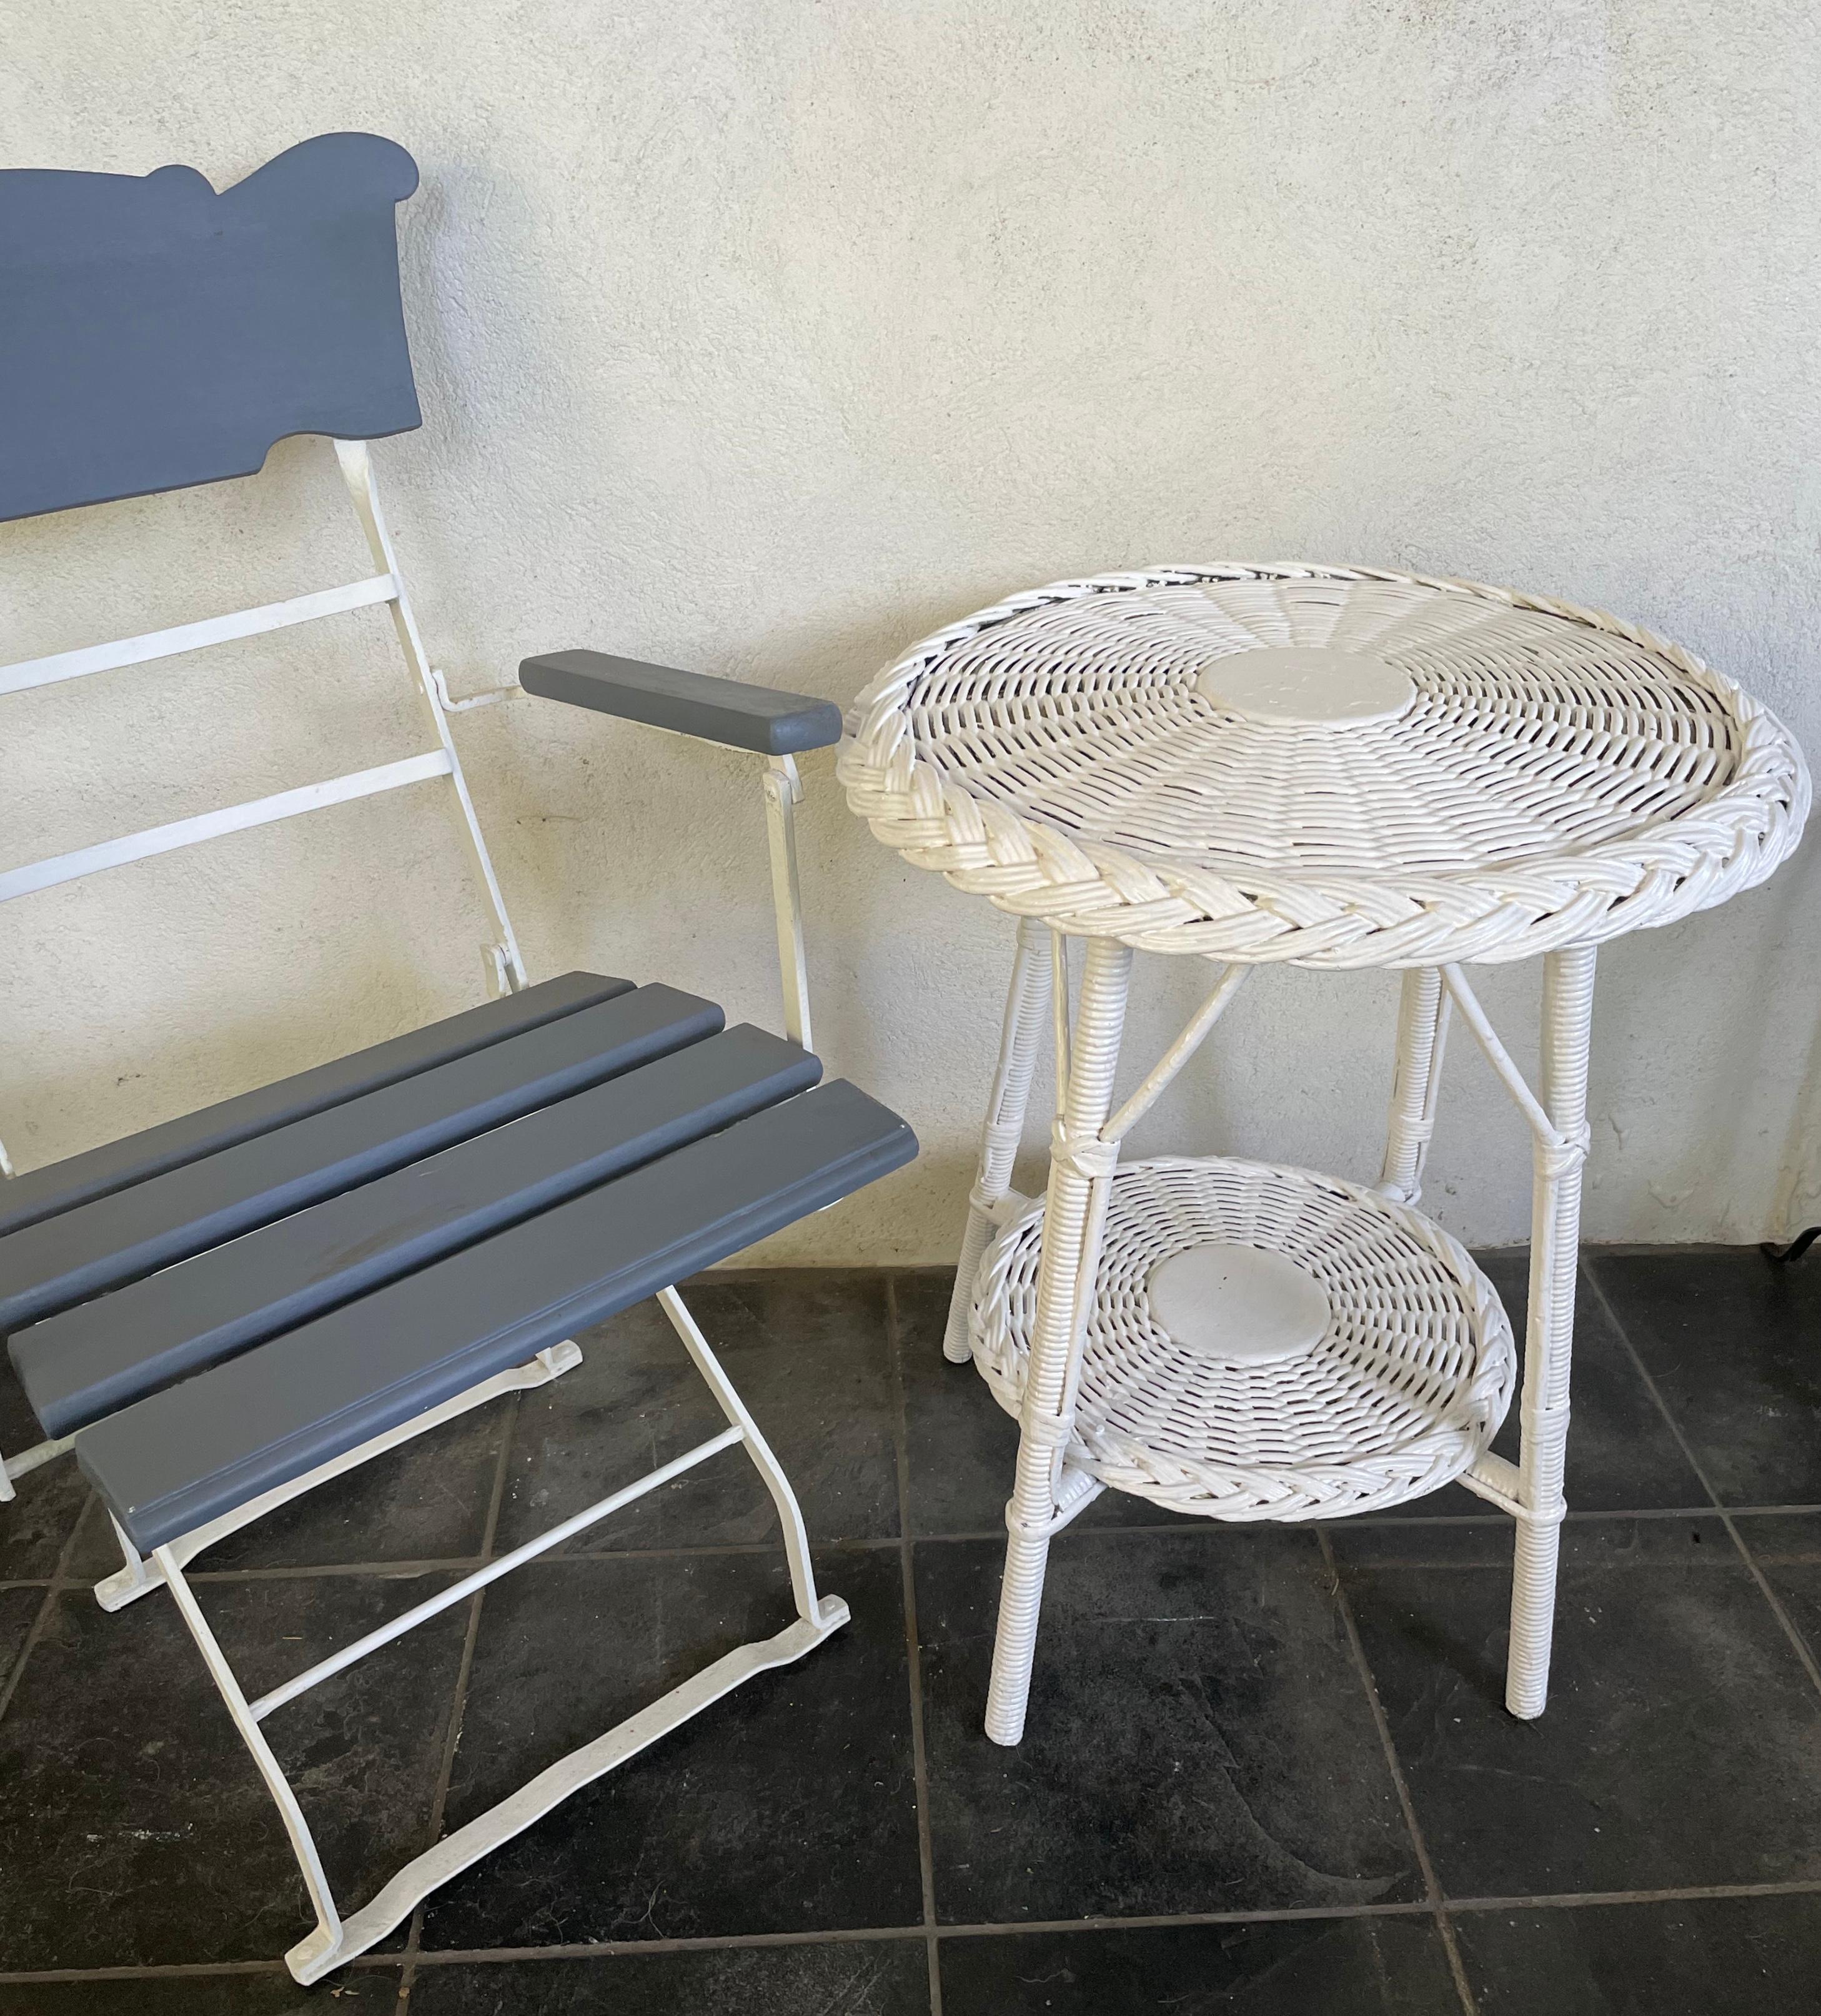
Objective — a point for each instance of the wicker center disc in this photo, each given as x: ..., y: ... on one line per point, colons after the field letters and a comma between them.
x: 1292, y: 687
x: 1238, y: 1304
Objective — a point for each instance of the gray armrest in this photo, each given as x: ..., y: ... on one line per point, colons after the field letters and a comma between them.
x: 745, y: 717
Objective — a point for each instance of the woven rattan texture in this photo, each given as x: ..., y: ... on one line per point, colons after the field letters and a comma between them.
x: 1408, y: 1387
x: 1560, y: 777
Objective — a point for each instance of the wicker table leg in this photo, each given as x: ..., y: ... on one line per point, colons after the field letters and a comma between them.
x: 1026, y: 1004
x: 1422, y: 1032
x: 1554, y: 1247
x: 1080, y: 1170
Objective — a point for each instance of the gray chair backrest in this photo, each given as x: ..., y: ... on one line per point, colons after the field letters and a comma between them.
x: 154, y: 334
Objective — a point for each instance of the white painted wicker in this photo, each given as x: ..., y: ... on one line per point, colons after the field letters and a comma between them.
x: 1338, y: 767
x: 1407, y: 1385
x: 1559, y: 777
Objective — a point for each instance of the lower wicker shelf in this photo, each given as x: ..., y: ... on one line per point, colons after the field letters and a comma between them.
x: 1265, y: 1343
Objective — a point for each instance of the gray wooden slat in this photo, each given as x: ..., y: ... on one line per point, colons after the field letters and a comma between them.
x: 52, y: 1265
x: 60, y: 1186
x: 171, y: 1462
x: 746, y: 717
x: 80, y: 1366
x: 155, y: 334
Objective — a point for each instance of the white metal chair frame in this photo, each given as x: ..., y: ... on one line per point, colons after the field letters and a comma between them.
x: 336, y: 1940
x: 505, y: 963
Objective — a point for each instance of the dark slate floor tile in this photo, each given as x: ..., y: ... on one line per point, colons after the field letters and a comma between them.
x: 857, y: 1978
x: 1199, y: 1738
x: 1787, y: 1548
x: 1703, y: 1957
x: 961, y: 1446
x: 18, y: 1607
x: 134, y: 1828
x: 1696, y: 1537
x: 1622, y: 1455
x: 1781, y: 1537
x: 1731, y: 1342
x: 1682, y: 1743
x: 1339, y: 1966
x: 366, y: 1991
x: 787, y: 1806
x: 808, y: 1354
x: 427, y: 1501
x: 35, y: 1524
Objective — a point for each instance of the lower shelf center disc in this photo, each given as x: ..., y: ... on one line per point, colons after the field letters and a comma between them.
x: 1240, y: 1304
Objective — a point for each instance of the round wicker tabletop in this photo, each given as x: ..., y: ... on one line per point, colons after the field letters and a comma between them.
x: 1327, y: 766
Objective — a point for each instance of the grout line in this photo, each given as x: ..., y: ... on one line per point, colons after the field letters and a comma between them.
x: 1432, y: 1886
x: 1575, y: 1900
x: 60, y: 1581
x: 886, y: 1545
x: 327, y: 1571
x: 913, y: 1649
x: 1798, y: 1643
x: 458, y: 1693
x: 170, y: 1971
x: 1571, y: 1900
x: 1561, y: 1900
x: 399, y: 1571
x: 462, y: 1563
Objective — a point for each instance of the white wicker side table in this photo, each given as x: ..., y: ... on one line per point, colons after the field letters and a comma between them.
x: 1314, y: 766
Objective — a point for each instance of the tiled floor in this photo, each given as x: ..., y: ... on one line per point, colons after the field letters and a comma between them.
x: 1267, y: 1768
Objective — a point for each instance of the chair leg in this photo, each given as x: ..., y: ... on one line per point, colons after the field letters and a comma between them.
x: 1568, y: 1012
x: 829, y: 1610
x: 336, y: 1940
x: 1423, y: 1012
x: 1081, y: 1175
x: 320, y: 1949
x: 125, y: 1583
x: 1025, y: 1002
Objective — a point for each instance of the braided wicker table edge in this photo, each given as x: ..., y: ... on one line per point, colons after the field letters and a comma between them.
x: 1090, y: 889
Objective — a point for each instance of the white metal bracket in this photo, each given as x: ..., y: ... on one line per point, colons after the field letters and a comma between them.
x: 783, y: 793
x: 27, y: 1461
x: 502, y: 978
x: 491, y: 697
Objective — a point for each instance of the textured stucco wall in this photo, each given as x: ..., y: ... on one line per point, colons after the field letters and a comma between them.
x: 763, y: 336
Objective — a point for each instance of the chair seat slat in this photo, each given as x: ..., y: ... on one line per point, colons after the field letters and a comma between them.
x: 60, y: 1186
x: 86, y: 1363
x: 171, y: 1462
x: 64, y: 1260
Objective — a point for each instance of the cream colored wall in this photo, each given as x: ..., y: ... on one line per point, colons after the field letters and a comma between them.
x: 763, y: 338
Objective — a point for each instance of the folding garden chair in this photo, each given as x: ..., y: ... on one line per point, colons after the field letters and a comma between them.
x: 225, y: 1311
